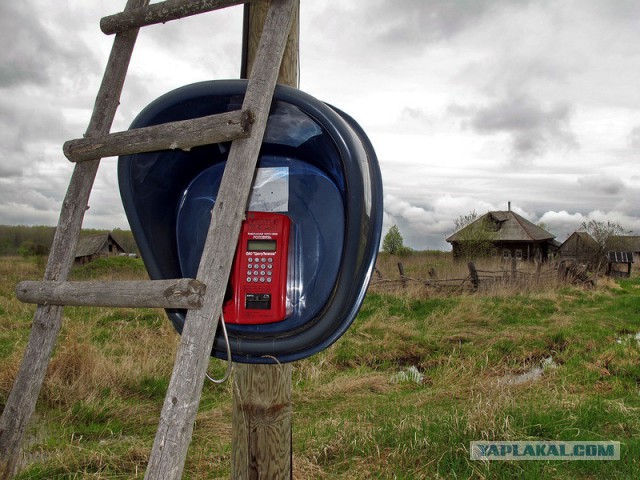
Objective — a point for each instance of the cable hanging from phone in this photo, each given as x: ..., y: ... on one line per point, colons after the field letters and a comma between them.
x: 227, y: 374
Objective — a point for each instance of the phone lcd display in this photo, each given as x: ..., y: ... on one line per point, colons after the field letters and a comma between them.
x: 261, y: 245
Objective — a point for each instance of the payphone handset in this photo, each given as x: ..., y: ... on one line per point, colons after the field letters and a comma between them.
x: 259, y: 273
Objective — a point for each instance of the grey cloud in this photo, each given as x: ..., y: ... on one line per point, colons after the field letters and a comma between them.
x: 606, y: 184
x: 8, y: 168
x: 634, y: 138
x: 24, y: 123
x: 388, y: 30
x: 532, y: 126
x: 29, y: 44
x: 32, y: 55
x: 620, y: 10
x: 414, y: 22
x: 29, y: 198
x: 415, y: 120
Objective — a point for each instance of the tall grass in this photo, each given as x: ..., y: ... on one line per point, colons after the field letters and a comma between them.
x: 418, y: 376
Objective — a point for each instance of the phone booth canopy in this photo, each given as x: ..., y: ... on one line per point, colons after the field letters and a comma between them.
x: 317, y: 187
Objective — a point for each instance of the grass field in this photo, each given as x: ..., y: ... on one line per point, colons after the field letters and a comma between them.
x: 401, y: 395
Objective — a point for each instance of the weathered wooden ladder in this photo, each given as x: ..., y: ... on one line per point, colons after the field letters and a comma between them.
x: 203, y: 296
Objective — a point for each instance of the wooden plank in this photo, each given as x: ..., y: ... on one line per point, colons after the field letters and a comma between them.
x: 160, y: 13
x: 185, y: 388
x: 177, y: 293
x: 182, y: 135
x: 261, y: 431
x: 47, y: 319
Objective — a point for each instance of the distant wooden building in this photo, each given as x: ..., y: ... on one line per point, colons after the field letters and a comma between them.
x: 624, y: 243
x: 95, y: 246
x: 581, y: 248
x: 629, y: 245
x: 510, y: 236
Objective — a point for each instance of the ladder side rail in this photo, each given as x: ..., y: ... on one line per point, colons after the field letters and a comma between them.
x: 160, y: 13
x: 47, y: 319
x: 183, y: 135
x: 185, y: 388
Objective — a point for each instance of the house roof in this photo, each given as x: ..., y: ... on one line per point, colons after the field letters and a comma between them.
x: 90, y: 245
x: 624, y: 243
x: 509, y: 227
x: 587, y: 240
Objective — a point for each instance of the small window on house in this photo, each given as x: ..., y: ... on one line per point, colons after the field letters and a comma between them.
x: 492, y: 226
x: 519, y: 254
x: 506, y: 254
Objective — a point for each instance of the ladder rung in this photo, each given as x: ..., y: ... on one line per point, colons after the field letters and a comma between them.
x: 176, y: 293
x: 183, y: 135
x: 160, y: 13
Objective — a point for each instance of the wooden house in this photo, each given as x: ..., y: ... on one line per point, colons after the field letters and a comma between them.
x: 624, y: 243
x: 581, y: 248
x: 508, y: 236
x: 95, y: 246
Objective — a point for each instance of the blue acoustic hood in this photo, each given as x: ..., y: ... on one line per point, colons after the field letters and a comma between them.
x: 316, y: 166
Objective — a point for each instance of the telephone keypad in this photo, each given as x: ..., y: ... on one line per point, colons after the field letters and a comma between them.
x: 259, y: 267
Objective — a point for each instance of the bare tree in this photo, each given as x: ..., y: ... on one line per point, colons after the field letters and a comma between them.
x: 601, y: 231
x: 464, y: 220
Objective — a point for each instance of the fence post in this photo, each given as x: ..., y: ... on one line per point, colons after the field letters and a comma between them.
x: 475, y: 281
x: 402, y: 277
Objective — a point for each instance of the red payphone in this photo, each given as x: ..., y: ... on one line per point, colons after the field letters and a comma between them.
x: 259, y: 274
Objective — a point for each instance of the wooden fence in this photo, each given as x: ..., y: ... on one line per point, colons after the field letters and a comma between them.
x: 488, y: 280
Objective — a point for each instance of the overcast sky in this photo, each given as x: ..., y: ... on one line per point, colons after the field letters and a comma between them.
x: 469, y: 103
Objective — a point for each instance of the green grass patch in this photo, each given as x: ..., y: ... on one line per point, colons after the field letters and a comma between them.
x: 401, y: 395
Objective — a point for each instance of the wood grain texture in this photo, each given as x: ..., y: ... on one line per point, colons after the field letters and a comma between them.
x: 178, y: 293
x: 47, y: 319
x: 290, y: 66
x: 161, y: 12
x: 262, y: 413
x: 261, y: 418
x: 185, y: 388
x: 182, y: 135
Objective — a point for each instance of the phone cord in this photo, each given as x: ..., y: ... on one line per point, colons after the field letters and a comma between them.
x: 229, y: 362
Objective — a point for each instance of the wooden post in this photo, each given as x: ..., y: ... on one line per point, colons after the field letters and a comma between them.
x: 402, y: 277
x: 185, y: 388
x: 475, y: 281
x: 261, y: 420
x: 288, y: 74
